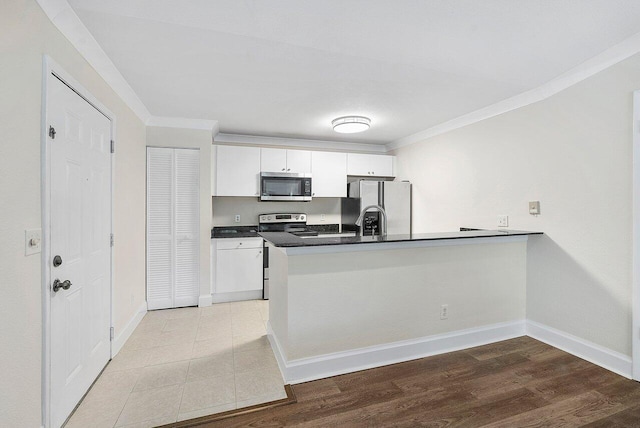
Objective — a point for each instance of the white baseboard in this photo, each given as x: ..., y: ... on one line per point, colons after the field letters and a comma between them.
x: 306, y: 369
x: 596, y: 354
x: 205, y: 300
x: 237, y: 296
x: 122, y: 336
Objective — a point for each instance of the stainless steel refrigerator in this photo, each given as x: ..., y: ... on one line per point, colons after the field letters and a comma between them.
x: 393, y: 196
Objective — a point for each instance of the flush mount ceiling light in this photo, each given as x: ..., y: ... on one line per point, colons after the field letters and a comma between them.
x: 351, y: 124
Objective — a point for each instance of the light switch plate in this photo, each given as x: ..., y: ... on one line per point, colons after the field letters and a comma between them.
x: 32, y: 241
x: 503, y: 221
x: 534, y: 207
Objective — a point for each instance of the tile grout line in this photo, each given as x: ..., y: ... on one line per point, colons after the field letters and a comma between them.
x: 186, y: 377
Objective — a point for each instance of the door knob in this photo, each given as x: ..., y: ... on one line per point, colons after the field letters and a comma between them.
x: 57, y: 285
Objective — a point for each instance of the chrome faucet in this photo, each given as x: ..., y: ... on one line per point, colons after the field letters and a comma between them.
x: 383, y: 229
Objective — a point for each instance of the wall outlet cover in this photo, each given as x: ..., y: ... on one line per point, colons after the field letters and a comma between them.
x: 534, y: 207
x: 444, y: 312
x: 503, y: 221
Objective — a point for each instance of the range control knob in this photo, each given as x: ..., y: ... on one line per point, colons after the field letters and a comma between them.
x: 301, y: 217
x: 297, y: 217
x: 268, y: 217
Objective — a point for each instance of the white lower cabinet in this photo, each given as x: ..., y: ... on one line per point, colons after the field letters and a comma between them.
x: 237, y: 269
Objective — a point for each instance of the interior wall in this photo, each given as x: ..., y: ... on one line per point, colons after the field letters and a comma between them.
x: 193, y: 139
x: 398, y: 291
x: 27, y: 34
x: 226, y: 207
x: 573, y: 153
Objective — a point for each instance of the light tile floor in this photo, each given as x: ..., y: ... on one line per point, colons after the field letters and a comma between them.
x: 185, y: 363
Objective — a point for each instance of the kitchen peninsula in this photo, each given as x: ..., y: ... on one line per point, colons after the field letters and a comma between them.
x: 341, y: 304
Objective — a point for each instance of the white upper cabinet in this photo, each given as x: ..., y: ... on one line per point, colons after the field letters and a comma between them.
x: 281, y: 160
x: 329, y: 174
x: 299, y: 161
x: 236, y: 171
x: 273, y: 160
x: 374, y: 165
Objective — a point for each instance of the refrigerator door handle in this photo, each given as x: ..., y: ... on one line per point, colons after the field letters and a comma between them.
x: 381, y: 193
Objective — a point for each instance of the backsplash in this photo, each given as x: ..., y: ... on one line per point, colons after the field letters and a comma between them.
x: 226, y: 208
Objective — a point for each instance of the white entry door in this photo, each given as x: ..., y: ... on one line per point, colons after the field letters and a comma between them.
x: 173, y: 224
x: 80, y: 226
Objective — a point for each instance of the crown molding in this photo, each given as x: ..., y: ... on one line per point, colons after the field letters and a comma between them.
x: 604, y: 60
x: 255, y: 140
x: 180, y: 122
x: 67, y: 22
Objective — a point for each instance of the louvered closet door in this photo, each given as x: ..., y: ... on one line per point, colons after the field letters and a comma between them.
x: 187, y: 216
x: 173, y: 219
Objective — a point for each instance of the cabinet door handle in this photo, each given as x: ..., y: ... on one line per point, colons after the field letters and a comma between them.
x: 283, y: 169
x: 288, y: 169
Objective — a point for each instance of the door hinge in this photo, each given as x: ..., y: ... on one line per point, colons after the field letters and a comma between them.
x: 113, y: 146
x: 52, y: 132
x: 111, y: 240
x: 111, y: 333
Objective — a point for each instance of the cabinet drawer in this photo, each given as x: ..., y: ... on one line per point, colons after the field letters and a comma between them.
x: 234, y: 244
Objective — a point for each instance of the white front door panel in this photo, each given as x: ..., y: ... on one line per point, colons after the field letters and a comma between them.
x: 80, y: 235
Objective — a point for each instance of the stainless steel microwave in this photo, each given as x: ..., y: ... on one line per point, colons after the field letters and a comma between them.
x: 280, y: 186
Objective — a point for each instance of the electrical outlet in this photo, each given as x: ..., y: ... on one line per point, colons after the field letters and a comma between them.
x: 444, y: 312
x: 321, y: 217
x: 534, y: 207
x: 237, y: 218
x: 32, y: 241
x: 503, y: 221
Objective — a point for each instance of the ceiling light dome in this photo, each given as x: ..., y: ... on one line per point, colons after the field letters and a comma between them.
x: 351, y: 124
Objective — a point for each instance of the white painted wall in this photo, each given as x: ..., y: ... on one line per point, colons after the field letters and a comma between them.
x: 225, y: 208
x: 27, y: 34
x: 193, y: 139
x: 572, y: 152
x: 334, y: 302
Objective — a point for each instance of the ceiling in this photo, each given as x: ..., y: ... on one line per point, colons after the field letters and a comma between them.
x: 286, y: 68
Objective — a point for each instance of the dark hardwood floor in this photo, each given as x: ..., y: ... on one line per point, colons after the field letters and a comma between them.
x: 515, y: 383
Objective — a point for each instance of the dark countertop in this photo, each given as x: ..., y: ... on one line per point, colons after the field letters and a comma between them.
x: 235, y: 232
x: 252, y: 231
x: 284, y: 239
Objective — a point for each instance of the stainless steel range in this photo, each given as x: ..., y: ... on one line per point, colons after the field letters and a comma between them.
x: 283, y: 222
x: 295, y: 223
